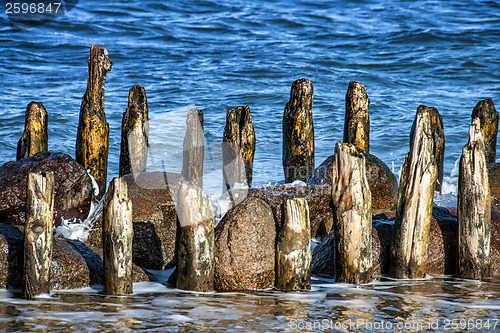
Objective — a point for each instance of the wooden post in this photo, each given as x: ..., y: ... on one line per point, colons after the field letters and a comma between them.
x: 357, y: 118
x: 352, y: 211
x: 194, y: 148
x: 485, y: 111
x: 298, y: 132
x: 38, y: 233
x: 92, y: 141
x: 194, y: 246
x: 117, y: 234
x: 35, y: 136
x: 238, y: 148
x: 415, y: 199
x: 474, y: 208
x: 135, y: 133
x: 293, y: 249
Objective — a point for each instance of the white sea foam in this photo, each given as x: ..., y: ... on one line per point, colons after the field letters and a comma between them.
x: 73, y: 229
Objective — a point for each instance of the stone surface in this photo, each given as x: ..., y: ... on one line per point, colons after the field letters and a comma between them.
x: 494, y: 180
x: 383, y: 184
x: 72, y: 192
x: 245, y: 247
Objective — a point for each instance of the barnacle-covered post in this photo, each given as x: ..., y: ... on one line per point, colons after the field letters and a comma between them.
x: 298, y: 132
x: 135, y: 133
x: 92, y: 141
x: 193, y: 148
x: 357, y: 118
x: 485, y: 111
x: 474, y: 209
x: 415, y: 199
x: 35, y: 136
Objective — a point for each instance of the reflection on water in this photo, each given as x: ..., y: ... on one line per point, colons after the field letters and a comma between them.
x: 442, y: 303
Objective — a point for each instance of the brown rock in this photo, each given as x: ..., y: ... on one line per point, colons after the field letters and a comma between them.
x: 494, y: 180
x: 245, y: 247
x: 383, y: 184
x: 72, y: 192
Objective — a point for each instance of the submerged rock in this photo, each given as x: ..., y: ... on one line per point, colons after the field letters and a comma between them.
x: 72, y: 191
x: 245, y: 247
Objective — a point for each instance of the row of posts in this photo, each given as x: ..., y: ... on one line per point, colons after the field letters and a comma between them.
x: 422, y: 174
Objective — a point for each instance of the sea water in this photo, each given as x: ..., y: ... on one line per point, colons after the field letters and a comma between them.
x: 214, y: 55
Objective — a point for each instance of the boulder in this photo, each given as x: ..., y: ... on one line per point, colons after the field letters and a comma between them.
x: 72, y: 192
x: 74, y: 264
x: 153, y: 215
x: 494, y: 179
x: 245, y: 247
x: 383, y: 184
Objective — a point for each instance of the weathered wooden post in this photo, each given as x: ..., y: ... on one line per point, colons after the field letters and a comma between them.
x: 474, y: 209
x: 117, y: 234
x: 485, y: 111
x: 415, y: 199
x: 238, y: 147
x: 135, y: 133
x: 194, y: 246
x: 352, y: 207
x: 298, y: 132
x: 35, y: 136
x: 194, y: 148
x: 92, y: 141
x: 293, y: 248
x: 38, y: 233
x: 357, y: 118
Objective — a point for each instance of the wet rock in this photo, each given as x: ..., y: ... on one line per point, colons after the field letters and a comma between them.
x: 72, y: 192
x: 154, y: 218
x: 323, y: 257
x: 318, y: 198
x: 74, y: 264
x: 245, y: 247
x: 383, y: 184
x: 494, y: 180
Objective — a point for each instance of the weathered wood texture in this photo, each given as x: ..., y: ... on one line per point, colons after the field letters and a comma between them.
x: 92, y: 141
x: 135, y: 133
x: 117, y: 234
x: 35, y: 137
x: 194, y: 247
x: 38, y: 233
x: 485, y: 111
x: 238, y: 147
x: 298, y: 132
x: 293, y: 248
x: 352, y: 223
x: 415, y: 199
x: 357, y: 118
x: 194, y: 148
x: 474, y: 208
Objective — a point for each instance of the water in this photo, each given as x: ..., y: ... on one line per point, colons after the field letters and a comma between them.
x: 216, y: 55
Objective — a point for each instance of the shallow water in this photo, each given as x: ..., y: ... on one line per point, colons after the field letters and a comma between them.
x: 223, y: 54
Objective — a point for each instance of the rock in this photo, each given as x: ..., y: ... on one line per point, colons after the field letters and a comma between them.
x: 245, y: 247
x: 318, y: 198
x: 494, y: 180
x: 74, y: 264
x: 154, y: 218
x: 72, y: 192
x: 383, y: 184
x: 323, y: 257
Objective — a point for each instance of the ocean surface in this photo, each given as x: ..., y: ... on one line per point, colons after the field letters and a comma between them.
x: 221, y: 54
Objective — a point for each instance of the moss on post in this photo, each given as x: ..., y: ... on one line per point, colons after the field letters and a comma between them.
x: 35, y: 136
x: 357, y: 117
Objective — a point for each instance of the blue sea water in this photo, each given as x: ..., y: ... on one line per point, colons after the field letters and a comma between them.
x: 221, y: 54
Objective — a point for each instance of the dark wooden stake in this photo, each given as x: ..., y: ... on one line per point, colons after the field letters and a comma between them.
x: 485, y: 111
x: 293, y: 249
x: 298, y: 132
x: 238, y: 147
x: 352, y: 207
x: 117, y: 234
x: 474, y: 209
x: 357, y: 118
x: 194, y: 247
x: 92, y: 141
x: 194, y: 148
x: 35, y: 136
x: 38, y: 233
x: 135, y: 133
x: 415, y: 199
